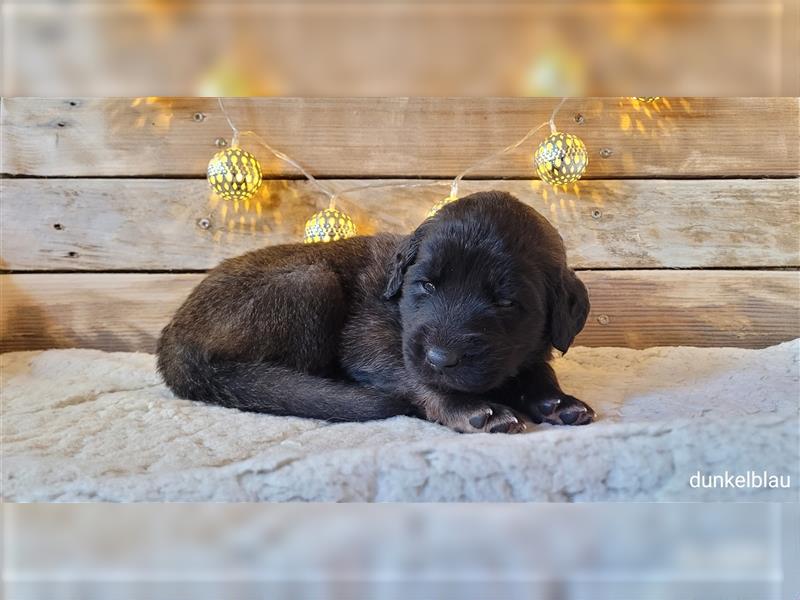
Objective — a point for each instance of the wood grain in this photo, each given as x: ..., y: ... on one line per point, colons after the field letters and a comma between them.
x: 399, y: 137
x: 139, y: 224
x: 747, y: 309
x: 637, y: 309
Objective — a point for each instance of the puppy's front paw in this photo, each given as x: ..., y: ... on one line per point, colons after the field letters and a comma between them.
x: 561, y: 410
x: 486, y: 418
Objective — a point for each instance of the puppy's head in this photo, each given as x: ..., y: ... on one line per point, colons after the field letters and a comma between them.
x: 484, y: 288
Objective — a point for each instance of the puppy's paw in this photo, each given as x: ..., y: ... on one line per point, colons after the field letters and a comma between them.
x: 487, y: 418
x: 561, y: 410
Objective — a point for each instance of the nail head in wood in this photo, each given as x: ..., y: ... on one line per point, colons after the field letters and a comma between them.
x: 579, y: 118
x: 603, y: 319
x: 199, y: 117
x: 204, y: 223
x: 606, y: 152
x: 221, y: 142
x: 596, y: 214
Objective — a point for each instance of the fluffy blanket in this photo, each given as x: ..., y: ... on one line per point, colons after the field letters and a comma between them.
x: 89, y: 425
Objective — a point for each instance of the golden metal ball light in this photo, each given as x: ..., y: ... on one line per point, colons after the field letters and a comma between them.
x: 561, y: 158
x: 329, y: 225
x: 234, y: 174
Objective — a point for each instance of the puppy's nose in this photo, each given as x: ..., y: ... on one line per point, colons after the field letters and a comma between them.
x: 442, y: 357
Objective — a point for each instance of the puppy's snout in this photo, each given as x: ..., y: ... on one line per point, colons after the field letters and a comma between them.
x: 441, y: 358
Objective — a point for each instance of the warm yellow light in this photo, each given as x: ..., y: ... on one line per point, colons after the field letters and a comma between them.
x: 438, y: 206
x: 561, y: 158
x: 329, y: 225
x: 647, y: 98
x: 234, y: 174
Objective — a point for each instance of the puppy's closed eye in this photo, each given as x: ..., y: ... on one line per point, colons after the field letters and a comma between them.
x: 426, y: 286
x: 504, y: 303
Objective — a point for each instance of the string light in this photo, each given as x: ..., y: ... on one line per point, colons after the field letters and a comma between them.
x: 560, y: 158
x: 234, y: 174
x: 647, y: 98
x: 325, y: 226
x: 441, y: 203
x: 278, y: 154
x: 329, y: 225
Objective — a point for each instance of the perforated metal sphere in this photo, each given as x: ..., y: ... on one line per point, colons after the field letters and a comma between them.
x: 234, y: 174
x: 329, y: 225
x: 561, y: 158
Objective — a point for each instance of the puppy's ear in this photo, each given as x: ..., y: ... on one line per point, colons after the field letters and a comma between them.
x: 403, y: 258
x: 568, y: 311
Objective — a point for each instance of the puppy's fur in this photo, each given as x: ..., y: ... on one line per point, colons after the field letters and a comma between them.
x: 454, y: 323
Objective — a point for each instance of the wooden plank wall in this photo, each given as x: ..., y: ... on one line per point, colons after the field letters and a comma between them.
x: 685, y: 228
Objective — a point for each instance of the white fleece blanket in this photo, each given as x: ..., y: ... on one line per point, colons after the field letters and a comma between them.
x: 88, y: 425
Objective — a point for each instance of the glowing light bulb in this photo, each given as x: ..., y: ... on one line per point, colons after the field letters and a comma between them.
x: 441, y: 203
x: 329, y: 225
x: 561, y: 158
x: 234, y: 174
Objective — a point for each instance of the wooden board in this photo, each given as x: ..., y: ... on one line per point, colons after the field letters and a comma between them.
x: 748, y: 309
x: 637, y: 309
x: 399, y: 137
x: 104, y: 224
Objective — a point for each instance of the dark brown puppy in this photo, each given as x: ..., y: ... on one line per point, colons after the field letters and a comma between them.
x: 454, y: 323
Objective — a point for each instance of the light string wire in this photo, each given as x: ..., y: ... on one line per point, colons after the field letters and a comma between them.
x: 333, y: 195
x: 277, y: 153
x: 507, y: 149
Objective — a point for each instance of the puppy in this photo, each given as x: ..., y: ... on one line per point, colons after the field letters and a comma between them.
x: 454, y: 323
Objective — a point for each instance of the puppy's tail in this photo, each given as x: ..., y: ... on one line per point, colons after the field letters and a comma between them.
x: 270, y: 388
